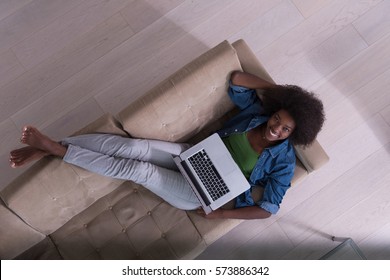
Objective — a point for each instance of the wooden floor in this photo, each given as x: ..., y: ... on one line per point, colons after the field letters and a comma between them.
x: 65, y: 63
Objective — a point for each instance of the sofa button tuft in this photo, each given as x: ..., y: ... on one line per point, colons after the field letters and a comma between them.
x: 110, y: 208
x: 149, y: 213
x: 163, y: 235
x: 85, y: 225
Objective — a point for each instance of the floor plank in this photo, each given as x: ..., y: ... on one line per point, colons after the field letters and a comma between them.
x: 312, y: 33
x: 374, y: 24
x: 347, y: 153
x: 323, y: 59
x: 377, y: 245
x: 308, y: 8
x: 150, y: 10
x: 370, y: 210
x: 99, y: 75
x: 270, y: 244
x: 344, y: 193
x: 354, y: 74
x: 386, y: 114
x: 64, y: 30
x: 29, y: 91
x: 234, y: 239
x: 362, y: 105
x: 30, y: 18
x: 279, y: 19
x: 10, y: 68
x: 8, y: 7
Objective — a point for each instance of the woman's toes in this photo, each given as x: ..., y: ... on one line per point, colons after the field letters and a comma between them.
x: 27, y: 128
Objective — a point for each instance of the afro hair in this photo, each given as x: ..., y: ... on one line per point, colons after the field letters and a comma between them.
x: 303, y: 106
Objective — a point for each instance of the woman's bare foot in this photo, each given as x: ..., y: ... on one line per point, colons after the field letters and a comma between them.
x: 25, y: 155
x: 34, y: 138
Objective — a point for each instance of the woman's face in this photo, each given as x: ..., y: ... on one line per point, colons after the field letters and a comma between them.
x: 279, y: 126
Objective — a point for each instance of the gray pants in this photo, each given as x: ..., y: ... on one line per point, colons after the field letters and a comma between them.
x: 145, y: 162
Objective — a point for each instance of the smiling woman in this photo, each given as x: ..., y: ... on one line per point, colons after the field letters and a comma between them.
x: 260, y: 139
x: 286, y: 103
x: 271, y: 126
x: 302, y: 106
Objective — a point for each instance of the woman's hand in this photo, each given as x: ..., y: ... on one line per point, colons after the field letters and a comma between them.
x: 244, y: 213
x: 217, y: 214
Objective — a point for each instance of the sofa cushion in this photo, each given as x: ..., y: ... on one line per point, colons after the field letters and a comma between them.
x: 182, y: 105
x: 15, y: 235
x: 44, y: 250
x: 129, y: 223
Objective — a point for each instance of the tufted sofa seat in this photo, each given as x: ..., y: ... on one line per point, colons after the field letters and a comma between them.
x: 58, y: 211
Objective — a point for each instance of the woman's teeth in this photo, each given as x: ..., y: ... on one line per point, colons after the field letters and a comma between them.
x: 272, y: 133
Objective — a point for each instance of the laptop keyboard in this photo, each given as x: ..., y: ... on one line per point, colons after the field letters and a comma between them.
x: 209, y: 176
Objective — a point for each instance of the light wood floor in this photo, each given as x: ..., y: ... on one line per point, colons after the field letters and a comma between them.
x: 65, y: 63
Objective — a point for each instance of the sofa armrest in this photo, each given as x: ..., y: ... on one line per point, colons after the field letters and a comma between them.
x: 249, y: 61
x: 16, y: 236
x: 312, y: 157
x: 51, y: 192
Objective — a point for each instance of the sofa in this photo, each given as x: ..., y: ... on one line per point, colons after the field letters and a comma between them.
x: 58, y: 211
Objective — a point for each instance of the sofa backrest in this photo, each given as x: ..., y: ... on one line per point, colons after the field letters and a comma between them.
x: 187, y: 102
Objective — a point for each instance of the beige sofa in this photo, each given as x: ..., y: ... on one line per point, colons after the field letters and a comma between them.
x: 58, y: 211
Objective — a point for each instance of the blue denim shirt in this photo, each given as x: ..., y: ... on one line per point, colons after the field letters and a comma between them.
x: 274, y: 169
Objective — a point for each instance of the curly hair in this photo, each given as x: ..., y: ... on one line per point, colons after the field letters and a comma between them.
x: 304, y: 107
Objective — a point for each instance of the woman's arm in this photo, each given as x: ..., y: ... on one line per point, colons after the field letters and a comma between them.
x: 247, y: 80
x: 245, y: 213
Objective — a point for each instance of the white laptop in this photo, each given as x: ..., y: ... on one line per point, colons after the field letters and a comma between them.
x: 212, y: 173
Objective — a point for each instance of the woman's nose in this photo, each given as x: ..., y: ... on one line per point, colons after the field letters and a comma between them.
x: 277, y: 128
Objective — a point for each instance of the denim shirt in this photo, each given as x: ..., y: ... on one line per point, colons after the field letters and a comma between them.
x: 274, y: 169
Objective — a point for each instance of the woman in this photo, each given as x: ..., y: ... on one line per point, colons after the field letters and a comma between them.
x: 260, y: 139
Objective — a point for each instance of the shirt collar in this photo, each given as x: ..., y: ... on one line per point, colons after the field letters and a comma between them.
x: 276, y: 150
